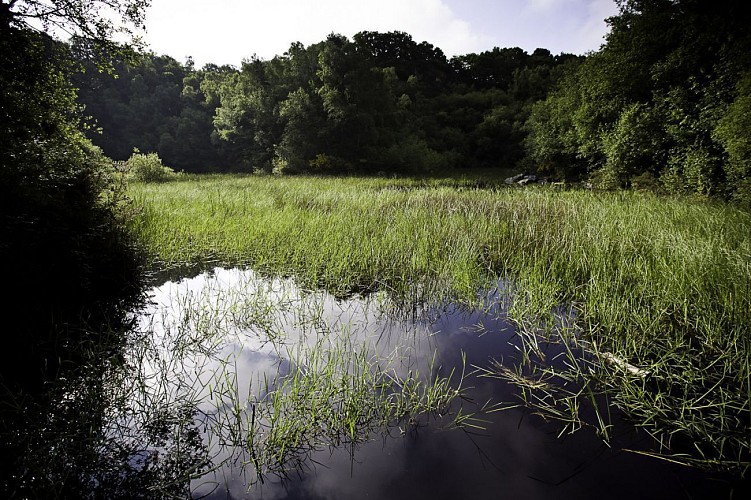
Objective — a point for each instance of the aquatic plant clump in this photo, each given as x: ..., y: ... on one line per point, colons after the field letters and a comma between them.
x: 339, y: 398
x: 277, y: 373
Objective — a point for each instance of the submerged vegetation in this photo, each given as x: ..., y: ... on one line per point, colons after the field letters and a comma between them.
x: 663, y: 284
x: 279, y: 373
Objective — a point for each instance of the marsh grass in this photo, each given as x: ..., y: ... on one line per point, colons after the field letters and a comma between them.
x: 663, y: 284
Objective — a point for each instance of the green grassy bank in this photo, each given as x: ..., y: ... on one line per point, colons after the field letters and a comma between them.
x: 662, y: 283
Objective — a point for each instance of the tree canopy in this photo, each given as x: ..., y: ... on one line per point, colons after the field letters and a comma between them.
x: 378, y: 102
x: 660, y: 104
x: 97, y: 20
x: 59, y: 207
x: 72, y: 267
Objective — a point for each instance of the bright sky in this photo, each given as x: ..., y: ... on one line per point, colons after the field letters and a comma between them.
x: 227, y: 31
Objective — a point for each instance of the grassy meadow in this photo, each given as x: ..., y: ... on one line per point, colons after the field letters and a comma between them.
x: 662, y: 284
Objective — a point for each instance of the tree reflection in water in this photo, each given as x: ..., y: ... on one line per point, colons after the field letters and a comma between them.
x: 81, y: 437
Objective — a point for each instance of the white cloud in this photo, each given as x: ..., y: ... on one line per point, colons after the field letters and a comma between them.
x: 575, y: 26
x: 545, y: 5
x: 226, y: 31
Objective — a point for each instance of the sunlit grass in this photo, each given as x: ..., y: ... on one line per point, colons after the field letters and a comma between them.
x: 663, y: 284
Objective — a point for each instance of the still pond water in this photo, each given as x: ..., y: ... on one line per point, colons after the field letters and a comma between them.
x: 225, y: 340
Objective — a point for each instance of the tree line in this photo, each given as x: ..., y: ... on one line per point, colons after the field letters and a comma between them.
x: 378, y: 102
x: 663, y: 105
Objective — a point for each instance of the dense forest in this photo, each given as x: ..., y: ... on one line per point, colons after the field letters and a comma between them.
x: 380, y: 102
x: 663, y: 105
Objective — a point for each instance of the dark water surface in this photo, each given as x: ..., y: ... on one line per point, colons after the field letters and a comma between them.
x: 218, y: 335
